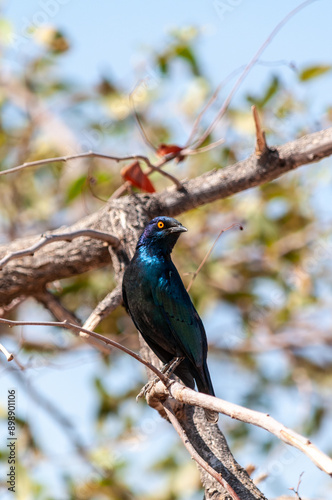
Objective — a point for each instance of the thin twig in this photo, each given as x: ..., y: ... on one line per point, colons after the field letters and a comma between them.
x: 53, y: 304
x: 296, y: 491
x: 191, y: 152
x: 51, y: 238
x: 246, y: 70
x: 5, y: 309
x: 85, y: 334
x: 200, y: 115
x: 194, y: 454
x: 236, y: 224
x: 261, y: 145
x: 104, y: 308
x: 120, y: 190
x: 222, y: 84
x: 77, y: 156
x: 9, y: 355
x: 138, y: 120
x: 92, y: 154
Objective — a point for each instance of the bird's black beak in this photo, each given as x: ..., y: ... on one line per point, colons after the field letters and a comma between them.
x: 178, y: 229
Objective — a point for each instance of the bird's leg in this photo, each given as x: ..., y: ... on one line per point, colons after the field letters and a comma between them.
x: 174, y: 363
x: 167, y: 369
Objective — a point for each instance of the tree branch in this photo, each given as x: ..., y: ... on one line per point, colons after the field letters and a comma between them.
x: 104, y: 308
x: 120, y: 216
x: 92, y: 154
x: 86, y: 334
x: 194, y: 454
x: 253, y: 171
x: 9, y: 355
x: 47, y: 239
x: 188, y: 396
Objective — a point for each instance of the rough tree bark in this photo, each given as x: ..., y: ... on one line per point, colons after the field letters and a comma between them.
x: 124, y: 218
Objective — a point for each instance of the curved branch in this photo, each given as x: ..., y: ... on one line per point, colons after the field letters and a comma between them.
x: 263, y: 420
x: 86, y: 334
x: 246, y: 70
x: 93, y: 154
x: 104, y: 308
x: 51, y: 238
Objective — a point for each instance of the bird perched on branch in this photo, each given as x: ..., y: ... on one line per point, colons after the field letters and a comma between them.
x: 160, y: 307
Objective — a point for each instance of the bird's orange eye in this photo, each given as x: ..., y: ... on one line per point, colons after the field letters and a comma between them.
x: 160, y: 224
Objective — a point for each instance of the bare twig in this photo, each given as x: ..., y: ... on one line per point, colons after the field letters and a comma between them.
x: 156, y: 168
x: 77, y: 156
x: 54, y: 305
x: 209, y: 253
x: 296, y: 491
x: 12, y: 306
x: 192, y: 152
x: 138, y: 120
x: 51, y: 238
x: 261, y: 145
x: 200, y: 115
x: 92, y: 154
x: 120, y: 190
x: 9, y: 355
x: 85, y: 334
x: 194, y: 454
x: 104, y: 308
x: 246, y: 70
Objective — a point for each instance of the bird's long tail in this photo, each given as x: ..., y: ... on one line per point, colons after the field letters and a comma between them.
x: 204, y: 385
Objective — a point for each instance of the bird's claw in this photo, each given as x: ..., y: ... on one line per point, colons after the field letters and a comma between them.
x: 167, y: 369
x: 147, y: 388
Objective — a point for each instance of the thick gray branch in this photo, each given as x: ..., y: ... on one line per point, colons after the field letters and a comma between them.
x: 245, y: 174
x: 125, y: 217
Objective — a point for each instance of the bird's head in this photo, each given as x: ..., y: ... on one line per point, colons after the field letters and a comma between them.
x: 161, y: 233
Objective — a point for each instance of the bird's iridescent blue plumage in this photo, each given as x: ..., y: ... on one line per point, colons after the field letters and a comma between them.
x: 160, y: 306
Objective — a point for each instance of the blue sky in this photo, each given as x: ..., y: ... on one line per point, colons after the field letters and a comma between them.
x: 114, y: 36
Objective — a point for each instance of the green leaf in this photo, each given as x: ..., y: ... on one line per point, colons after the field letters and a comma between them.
x: 75, y: 189
x: 185, y: 52
x: 313, y: 72
x: 270, y: 91
x: 162, y: 62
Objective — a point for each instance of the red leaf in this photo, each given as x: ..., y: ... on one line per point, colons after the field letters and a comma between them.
x: 166, y: 149
x: 135, y: 175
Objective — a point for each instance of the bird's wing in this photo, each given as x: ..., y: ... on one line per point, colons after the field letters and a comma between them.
x: 173, y: 301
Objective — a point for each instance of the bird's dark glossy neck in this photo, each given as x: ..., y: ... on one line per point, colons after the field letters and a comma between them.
x: 153, y: 251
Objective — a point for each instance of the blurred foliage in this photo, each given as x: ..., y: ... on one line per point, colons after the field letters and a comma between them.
x: 265, y: 287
